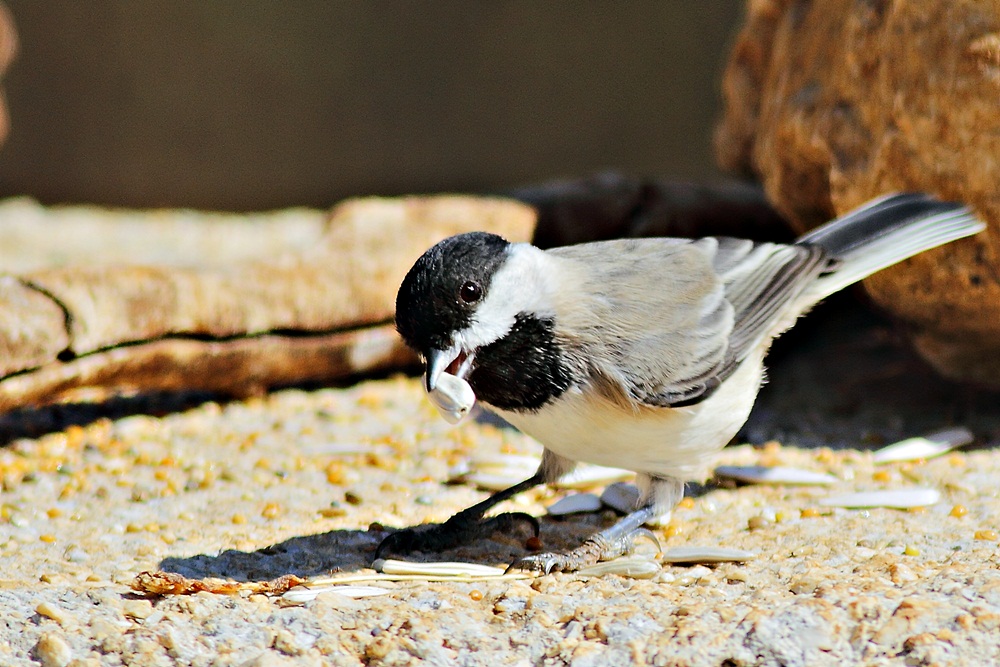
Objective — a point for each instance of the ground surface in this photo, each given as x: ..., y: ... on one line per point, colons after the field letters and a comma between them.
x: 290, y: 483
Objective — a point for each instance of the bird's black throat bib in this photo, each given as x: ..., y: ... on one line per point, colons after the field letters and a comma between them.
x: 523, y: 370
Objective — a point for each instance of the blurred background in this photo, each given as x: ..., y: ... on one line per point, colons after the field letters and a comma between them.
x: 257, y: 104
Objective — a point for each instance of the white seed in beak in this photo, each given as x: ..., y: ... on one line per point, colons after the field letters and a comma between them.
x: 453, y: 397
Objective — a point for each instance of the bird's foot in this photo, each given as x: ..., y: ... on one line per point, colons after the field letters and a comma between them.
x: 464, y: 528
x: 605, y: 545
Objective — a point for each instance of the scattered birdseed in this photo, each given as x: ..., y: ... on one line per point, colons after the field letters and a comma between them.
x: 988, y: 535
x: 959, y: 511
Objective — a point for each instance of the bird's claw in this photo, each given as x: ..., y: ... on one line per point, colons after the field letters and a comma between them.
x: 463, y: 528
x: 596, y: 549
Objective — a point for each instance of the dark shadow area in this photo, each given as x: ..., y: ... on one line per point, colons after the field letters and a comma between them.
x: 845, y: 377
x: 351, y: 550
x: 34, y: 422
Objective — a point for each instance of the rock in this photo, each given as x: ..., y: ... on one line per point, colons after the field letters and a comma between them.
x: 34, y: 327
x: 832, y: 104
x: 610, y: 205
x: 8, y: 50
x: 53, y: 651
x: 121, y: 317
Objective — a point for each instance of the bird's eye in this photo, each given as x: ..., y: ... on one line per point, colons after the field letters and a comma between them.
x: 470, y: 292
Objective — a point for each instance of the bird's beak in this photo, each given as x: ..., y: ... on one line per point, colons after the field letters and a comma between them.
x: 439, y: 361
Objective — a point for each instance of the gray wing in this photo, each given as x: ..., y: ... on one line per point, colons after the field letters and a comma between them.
x: 667, y: 320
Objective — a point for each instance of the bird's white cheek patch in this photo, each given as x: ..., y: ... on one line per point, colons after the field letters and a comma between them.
x: 517, y: 287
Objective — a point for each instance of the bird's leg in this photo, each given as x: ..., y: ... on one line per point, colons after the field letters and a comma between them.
x: 619, y: 539
x: 465, y: 527
x: 612, y: 542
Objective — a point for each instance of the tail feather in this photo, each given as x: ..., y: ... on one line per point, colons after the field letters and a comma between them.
x: 884, y: 232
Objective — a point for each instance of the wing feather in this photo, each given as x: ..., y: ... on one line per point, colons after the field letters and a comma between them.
x: 669, y: 319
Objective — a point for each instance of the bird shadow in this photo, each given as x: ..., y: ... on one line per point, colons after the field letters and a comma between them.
x: 353, y: 550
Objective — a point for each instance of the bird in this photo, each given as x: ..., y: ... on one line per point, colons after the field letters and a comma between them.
x: 641, y: 353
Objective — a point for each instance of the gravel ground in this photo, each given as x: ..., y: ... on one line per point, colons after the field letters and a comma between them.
x: 291, y: 482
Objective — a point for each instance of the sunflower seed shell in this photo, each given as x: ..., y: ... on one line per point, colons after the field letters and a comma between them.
x: 925, y: 447
x: 902, y: 499
x: 575, y: 504
x: 706, y: 555
x: 453, y: 397
x: 775, y: 475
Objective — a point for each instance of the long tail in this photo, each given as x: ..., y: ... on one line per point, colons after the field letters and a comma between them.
x: 886, y: 231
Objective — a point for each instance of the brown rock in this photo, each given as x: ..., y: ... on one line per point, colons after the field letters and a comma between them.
x: 832, y: 104
x: 8, y: 51
x: 610, y: 205
x: 32, y: 329
x: 237, y: 327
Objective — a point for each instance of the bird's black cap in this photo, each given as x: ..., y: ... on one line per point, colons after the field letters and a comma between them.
x: 429, y: 305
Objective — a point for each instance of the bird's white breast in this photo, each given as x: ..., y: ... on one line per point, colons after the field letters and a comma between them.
x: 671, y: 442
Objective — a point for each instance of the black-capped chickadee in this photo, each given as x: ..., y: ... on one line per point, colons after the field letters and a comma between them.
x: 644, y: 354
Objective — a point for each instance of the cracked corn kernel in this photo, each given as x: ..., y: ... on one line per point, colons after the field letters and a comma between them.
x: 673, y: 529
x: 271, y: 511
x: 335, y: 473
x: 47, y: 537
x: 476, y: 595
x: 808, y: 512
x: 882, y: 476
x: 911, y: 551
x: 685, y: 503
x: 239, y: 519
x: 959, y: 511
x: 988, y: 535
x: 332, y: 512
